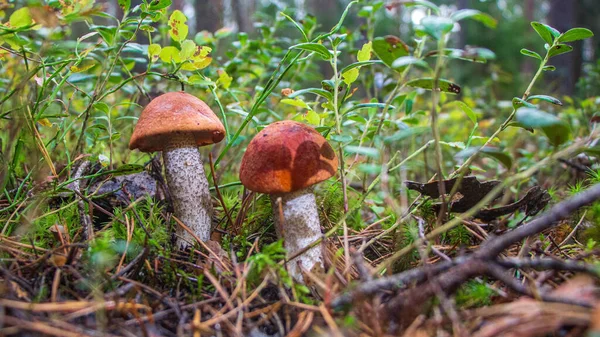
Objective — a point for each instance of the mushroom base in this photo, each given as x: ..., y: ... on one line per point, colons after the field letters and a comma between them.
x: 189, y: 190
x: 301, y: 227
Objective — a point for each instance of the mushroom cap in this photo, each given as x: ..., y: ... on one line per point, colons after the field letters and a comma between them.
x: 175, y: 113
x: 285, y: 157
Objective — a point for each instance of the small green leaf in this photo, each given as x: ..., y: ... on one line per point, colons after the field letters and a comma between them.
x: 341, y: 138
x: 159, y: 4
x: 401, y: 62
x: 531, y: 53
x: 364, y: 54
x: 20, y: 18
x: 314, y: 47
x: 467, y: 110
x: 389, y: 48
x: 126, y: 169
x: 549, y: 68
x: 558, y: 134
x: 368, y: 106
x: 154, y: 52
x: 427, y: 83
x: 406, y: 133
x: 546, y: 98
x: 350, y: 76
x: 491, y: 152
x: 188, y: 48
x: 295, y: 102
x: 178, y: 30
x: 543, y: 31
x: 362, y: 150
x: 575, y: 34
x: 296, y: 24
x: 312, y: 117
x: 224, y: 79
x: 436, y: 26
x: 125, y: 5
x: 518, y: 102
x: 360, y: 64
x: 559, y: 49
x: 170, y: 54
x: 317, y: 91
x: 476, y: 15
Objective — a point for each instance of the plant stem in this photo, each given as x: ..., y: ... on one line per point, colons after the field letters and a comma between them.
x: 439, y: 159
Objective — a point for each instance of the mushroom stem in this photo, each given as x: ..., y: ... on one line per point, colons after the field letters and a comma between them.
x: 189, y: 189
x: 301, y: 227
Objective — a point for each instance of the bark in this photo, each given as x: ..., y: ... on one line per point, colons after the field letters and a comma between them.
x: 189, y: 189
x: 299, y: 229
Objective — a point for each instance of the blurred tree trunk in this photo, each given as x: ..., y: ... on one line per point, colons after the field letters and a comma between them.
x: 209, y: 15
x: 563, y: 16
x: 243, y: 11
x: 528, y: 67
x: 462, y: 38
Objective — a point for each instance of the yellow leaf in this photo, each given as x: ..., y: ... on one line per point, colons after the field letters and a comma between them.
x: 312, y: 117
x: 177, y: 27
x: 364, y: 54
x: 170, y: 53
x: 154, y: 52
x: 44, y: 122
x: 350, y: 76
x: 224, y: 79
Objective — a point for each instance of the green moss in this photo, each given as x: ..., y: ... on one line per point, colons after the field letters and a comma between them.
x: 474, y: 294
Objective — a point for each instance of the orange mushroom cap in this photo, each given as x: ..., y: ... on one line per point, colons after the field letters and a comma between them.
x: 175, y: 113
x: 285, y: 157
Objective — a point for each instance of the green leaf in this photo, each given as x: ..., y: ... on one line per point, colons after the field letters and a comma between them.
x: 406, y: 133
x: 575, y: 34
x: 368, y: 106
x: 20, y: 18
x: 159, y: 4
x: 317, y: 91
x: 402, y: 62
x: 178, y: 30
x: 491, y: 152
x: 350, y: 76
x: 364, y: 54
x: 424, y: 3
x: 549, y: 68
x: 427, y: 83
x: 518, y: 102
x: 476, y: 15
x: 295, y: 102
x: 362, y: 150
x: 543, y: 31
x: 546, y: 98
x: 555, y: 129
x: 531, y: 53
x: 436, y: 26
x: 314, y: 47
x: 471, y: 54
x: 296, y: 24
x: 360, y: 64
x: 124, y: 4
x: 312, y: 117
x: 188, y: 48
x: 389, y: 48
x: 224, y: 79
x: 170, y: 53
x: 154, y: 52
x: 126, y: 169
x: 559, y: 49
x: 467, y: 110
x: 341, y: 138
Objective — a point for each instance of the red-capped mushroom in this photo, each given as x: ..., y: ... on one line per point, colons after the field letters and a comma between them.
x: 177, y: 123
x: 285, y: 160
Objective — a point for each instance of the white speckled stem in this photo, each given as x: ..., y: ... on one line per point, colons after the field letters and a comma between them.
x: 189, y: 189
x: 301, y: 227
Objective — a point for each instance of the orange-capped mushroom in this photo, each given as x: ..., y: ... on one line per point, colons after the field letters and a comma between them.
x: 177, y: 123
x: 285, y: 160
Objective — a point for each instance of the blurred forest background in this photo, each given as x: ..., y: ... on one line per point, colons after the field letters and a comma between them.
x: 579, y: 72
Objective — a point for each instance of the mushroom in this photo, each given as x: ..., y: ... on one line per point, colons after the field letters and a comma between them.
x: 177, y: 123
x: 285, y: 160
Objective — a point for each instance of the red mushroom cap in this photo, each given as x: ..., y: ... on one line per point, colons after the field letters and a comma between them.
x: 287, y: 156
x: 175, y: 113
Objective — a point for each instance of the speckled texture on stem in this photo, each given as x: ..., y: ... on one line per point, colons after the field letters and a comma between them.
x: 301, y: 227
x: 189, y: 189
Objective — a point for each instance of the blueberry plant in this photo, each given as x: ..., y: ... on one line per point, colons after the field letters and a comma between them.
x: 86, y: 224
